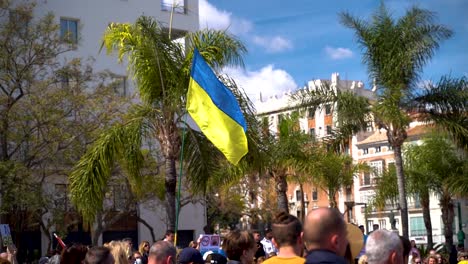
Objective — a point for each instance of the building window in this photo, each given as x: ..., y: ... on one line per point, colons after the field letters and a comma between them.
x: 370, y: 223
x: 417, y: 226
x: 390, y: 147
x: 369, y: 127
x: 365, y: 151
x: 69, y: 30
x: 312, y: 132
x: 311, y: 112
x: 19, y: 20
x: 383, y: 223
x: 118, y: 199
x: 314, y: 194
x: 179, y: 6
x: 329, y: 130
x: 377, y: 167
x: 367, y: 179
x: 349, y: 193
x: 378, y: 149
x: 328, y: 109
x: 298, y: 195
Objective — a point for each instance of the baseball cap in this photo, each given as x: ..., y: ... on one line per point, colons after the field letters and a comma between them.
x: 190, y: 254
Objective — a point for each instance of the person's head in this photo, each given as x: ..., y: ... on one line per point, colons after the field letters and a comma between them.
x: 432, y: 252
x: 144, y: 247
x: 325, y: 228
x: 190, y: 255
x: 413, y: 243
x: 128, y: 242
x: 240, y: 246
x: 432, y: 259
x: 287, y: 231
x: 215, y: 258
x: 375, y: 227
x: 439, y: 258
x: 193, y: 244
x: 119, y: 251
x: 362, y: 228
x: 162, y: 252
x: 169, y: 236
x: 136, y: 257
x: 74, y: 254
x: 3, y: 255
x: 268, y: 233
x: 256, y: 235
x: 99, y: 255
x: 406, y: 244
x: 384, y: 247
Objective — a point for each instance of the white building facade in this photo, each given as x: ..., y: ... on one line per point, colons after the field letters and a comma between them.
x: 83, y: 23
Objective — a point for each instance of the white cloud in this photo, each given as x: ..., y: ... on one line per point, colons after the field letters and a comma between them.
x: 338, y: 53
x: 274, y: 44
x: 268, y: 81
x: 211, y: 17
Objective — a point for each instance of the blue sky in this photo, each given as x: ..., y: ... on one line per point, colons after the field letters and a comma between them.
x: 292, y: 42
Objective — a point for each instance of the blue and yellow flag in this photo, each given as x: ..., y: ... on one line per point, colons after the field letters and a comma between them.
x: 216, y: 111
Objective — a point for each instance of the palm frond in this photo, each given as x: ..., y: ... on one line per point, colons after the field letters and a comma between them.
x: 446, y: 104
x: 217, y: 47
x: 155, y: 61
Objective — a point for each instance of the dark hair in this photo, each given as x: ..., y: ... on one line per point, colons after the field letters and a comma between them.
x: 169, y: 232
x: 74, y: 254
x: 236, y: 242
x: 406, y: 246
x: 286, y: 229
x: 97, y: 255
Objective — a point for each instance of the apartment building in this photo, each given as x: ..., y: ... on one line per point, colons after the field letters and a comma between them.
x: 372, y: 147
x: 83, y: 24
x: 316, y: 122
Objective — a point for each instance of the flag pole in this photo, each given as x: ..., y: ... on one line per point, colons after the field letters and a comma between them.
x: 180, y: 183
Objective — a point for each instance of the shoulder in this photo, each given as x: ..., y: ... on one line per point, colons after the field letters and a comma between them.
x: 278, y: 260
x: 324, y: 256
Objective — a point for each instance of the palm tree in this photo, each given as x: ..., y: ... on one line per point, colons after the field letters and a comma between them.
x: 395, y: 52
x: 333, y: 171
x: 438, y: 159
x: 161, y: 70
x: 284, y: 155
x: 420, y: 183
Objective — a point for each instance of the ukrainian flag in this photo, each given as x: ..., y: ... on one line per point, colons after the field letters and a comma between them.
x: 216, y: 111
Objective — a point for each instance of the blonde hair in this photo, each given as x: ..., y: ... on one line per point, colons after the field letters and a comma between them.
x: 141, y: 247
x: 119, y: 251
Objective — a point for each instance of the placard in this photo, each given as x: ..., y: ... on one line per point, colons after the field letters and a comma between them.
x: 209, y: 243
x: 6, y: 235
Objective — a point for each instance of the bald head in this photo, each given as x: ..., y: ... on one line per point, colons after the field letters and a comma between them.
x: 162, y: 252
x: 325, y: 228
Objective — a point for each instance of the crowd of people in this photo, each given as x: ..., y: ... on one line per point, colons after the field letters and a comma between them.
x: 324, y: 238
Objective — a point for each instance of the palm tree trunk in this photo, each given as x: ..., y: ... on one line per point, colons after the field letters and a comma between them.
x: 401, y: 188
x: 427, y: 218
x: 303, y: 208
x: 281, y: 187
x: 447, y: 206
x: 96, y: 229
x: 170, y: 183
x: 331, y: 199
